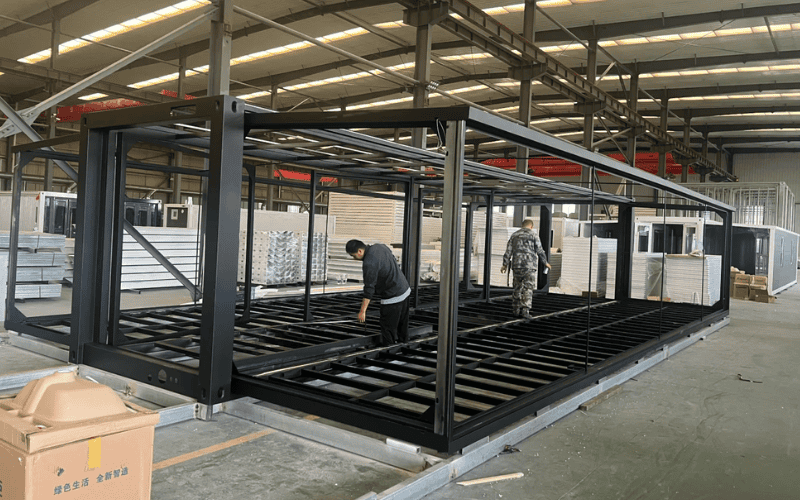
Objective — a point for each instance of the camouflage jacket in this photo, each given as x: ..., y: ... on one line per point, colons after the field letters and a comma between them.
x: 524, y: 250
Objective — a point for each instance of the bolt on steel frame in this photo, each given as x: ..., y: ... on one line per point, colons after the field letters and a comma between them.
x: 484, y: 369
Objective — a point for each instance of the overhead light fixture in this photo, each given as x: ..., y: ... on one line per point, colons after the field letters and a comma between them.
x: 92, y: 97
x: 118, y: 29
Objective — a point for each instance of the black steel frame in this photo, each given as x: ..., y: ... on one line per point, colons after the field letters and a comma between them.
x: 482, y: 370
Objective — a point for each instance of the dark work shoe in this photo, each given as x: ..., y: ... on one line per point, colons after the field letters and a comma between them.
x: 525, y: 314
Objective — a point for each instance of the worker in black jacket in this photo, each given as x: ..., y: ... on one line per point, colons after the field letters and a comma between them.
x: 383, y: 280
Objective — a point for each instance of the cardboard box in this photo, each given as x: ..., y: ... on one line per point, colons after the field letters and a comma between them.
x: 761, y: 295
x: 758, y: 280
x: 742, y: 278
x: 67, y: 436
x: 741, y: 291
x: 657, y: 298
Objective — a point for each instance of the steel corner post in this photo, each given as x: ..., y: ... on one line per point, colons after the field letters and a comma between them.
x: 221, y: 250
x: 448, y: 300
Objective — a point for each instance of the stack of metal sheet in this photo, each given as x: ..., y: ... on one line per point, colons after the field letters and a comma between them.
x: 40, y: 264
x: 646, y: 275
x: 275, y: 258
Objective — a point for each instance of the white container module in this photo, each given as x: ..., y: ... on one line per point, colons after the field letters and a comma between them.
x: 3, y: 286
x: 41, y: 211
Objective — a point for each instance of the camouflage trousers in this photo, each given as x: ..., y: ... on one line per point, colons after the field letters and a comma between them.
x: 524, y: 285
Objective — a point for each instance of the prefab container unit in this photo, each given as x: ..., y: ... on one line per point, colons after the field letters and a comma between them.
x: 181, y: 215
x: 756, y: 203
x: 54, y: 212
x: 766, y: 251
x: 45, y: 211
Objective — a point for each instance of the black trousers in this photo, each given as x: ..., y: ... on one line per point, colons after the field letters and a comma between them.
x: 394, y: 322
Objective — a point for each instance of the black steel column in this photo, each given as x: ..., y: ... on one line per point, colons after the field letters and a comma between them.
x: 487, y: 253
x: 118, y: 242
x: 90, y: 306
x: 545, y: 228
x: 13, y: 236
x: 414, y: 279
x: 468, y: 245
x: 626, y: 242
x: 727, y: 224
x: 408, y: 221
x: 221, y: 252
x: 312, y: 205
x: 248, y: 257
x: 448, y: 298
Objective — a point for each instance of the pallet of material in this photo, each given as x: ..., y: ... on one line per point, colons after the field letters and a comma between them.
x: 693, y: 280
x: 575, y: 264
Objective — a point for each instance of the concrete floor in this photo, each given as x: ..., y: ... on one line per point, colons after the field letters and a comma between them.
x: 687, y: 428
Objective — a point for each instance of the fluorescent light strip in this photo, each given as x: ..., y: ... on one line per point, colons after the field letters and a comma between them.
x: 255, y: 56
x: 723, y: 97
x: 92, y: 97
x: 118, y: 29
x: 755, y: 30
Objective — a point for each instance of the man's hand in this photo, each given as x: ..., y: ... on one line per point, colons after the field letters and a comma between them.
x: 503, y: 270
x: 362, y: 316
x: 549, y: 266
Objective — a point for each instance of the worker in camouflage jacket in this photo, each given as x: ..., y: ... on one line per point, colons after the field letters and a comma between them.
x: 522, y: 255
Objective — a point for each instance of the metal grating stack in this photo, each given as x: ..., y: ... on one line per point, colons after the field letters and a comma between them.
x: 319, y: 257
x: 275, y: 259
x: 40, y: 261
x: 691, y: 280
x: 140, y: 270
x: 575, y: 265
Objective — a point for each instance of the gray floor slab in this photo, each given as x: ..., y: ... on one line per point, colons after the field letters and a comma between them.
x: 15, y: 360
x: 274, y: 466
x: 688, y: 428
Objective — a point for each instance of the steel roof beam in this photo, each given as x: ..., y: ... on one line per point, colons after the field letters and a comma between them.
x: 626, y: 28
x: 44, y: 74
x: 46, y: 16
x: 202, y: 45
x: 485, y: 32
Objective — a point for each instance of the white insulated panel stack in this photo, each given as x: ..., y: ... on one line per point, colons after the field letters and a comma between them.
x: 358, y: 217
x: 500, y: 237
x: 141, y: 271
x: 270, y: 220
x: 40, y: 262
x: 693, y: 279
x: 575, y: 264
x: 646, y: 276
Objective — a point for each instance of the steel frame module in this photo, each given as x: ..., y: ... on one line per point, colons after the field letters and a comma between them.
x: 106, y: 137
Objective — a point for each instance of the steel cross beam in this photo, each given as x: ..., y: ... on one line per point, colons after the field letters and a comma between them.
x: 477, y: 26
x: 30, y: 114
